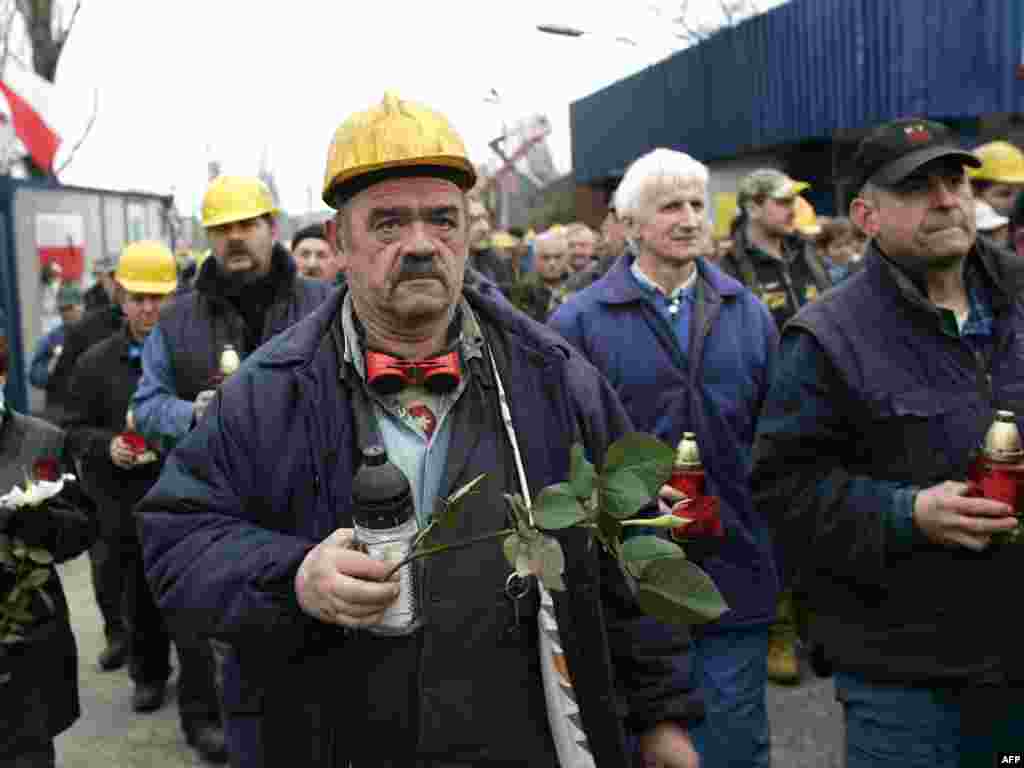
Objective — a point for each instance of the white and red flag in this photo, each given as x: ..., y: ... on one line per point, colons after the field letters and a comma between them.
x: 24, y: 107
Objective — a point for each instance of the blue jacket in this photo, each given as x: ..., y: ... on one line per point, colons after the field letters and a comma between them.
x: 877, y: 395
x: 267, y: 474
x: 715, y: 389
x: 182, y: 352
x: 39, y: 373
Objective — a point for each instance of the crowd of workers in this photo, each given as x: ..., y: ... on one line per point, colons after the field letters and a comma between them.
x: 839, y: 375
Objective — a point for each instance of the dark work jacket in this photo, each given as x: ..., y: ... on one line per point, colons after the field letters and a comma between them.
x: 784, y: 285
x: 197, y: 324
x: 40, y: 699
x: 96, y: 298
x: 872, y: 402
x: 267, y: 474
x: 493, y: 267
x: 94, y: 327
x: 714, y: 387
x: 98, y: 400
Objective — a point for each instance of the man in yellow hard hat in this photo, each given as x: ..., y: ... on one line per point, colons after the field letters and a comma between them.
x: 1001, y: 176
x: 246, y: 293
x: 120, y: 471
x: 250, y: 528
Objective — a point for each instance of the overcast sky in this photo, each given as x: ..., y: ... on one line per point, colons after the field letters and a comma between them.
x: 240, y: 77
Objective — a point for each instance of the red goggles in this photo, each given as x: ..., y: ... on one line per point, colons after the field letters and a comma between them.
x: 389, y: 375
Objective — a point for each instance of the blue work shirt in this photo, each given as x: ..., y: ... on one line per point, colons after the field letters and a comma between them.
x: 39, y: 369
x: 159, y: 413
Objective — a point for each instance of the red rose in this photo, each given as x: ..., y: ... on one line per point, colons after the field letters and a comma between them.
x: 46, y: 469
x: 704, y: 512
x: 136, y: 443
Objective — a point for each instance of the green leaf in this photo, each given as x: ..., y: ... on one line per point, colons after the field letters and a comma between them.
x: 676, y: 591
x: 6, y: 558
x: 448, y: 513
x: 423, y: 536
x: 11, y: 638
x: 18, y: 549
x: 547, y: 554
x: 39, y: 555
x: 645, y: 456
x: 557, y: 507
x: 639, y: 551
x: 511, y: 549
x: 649, y: 548
x: 622, y: 494
x: 581, y: 473
x: 37, y: 578
x: 20, y: 615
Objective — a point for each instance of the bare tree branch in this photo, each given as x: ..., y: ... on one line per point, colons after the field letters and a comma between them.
x: 728, y: 12
x: 62, y: 34
x: 85, y: 133
x: 8, y: 22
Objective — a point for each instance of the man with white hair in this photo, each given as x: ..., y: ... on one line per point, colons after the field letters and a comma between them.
x: 540, y: 292
x: 689, y: 349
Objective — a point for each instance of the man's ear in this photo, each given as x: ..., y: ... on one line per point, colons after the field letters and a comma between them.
x: 331, y: 230
x: 864, y: 214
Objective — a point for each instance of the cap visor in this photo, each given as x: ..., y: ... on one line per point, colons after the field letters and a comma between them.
x: 898, y: 170
x: 138, y: 286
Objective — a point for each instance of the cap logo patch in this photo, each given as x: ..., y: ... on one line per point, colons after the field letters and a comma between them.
x: 917, y: 133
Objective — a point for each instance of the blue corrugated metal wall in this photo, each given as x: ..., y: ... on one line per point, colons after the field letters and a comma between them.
x: 802, y: 71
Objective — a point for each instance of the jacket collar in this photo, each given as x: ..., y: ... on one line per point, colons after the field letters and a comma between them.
x: 282, y: 272
x: 792, y: 246
x: 620, y: 287
x: 1001, y: 268
x: 298, y: 345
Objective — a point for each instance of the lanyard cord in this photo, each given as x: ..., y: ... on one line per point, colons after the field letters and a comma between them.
x: 506, y: 417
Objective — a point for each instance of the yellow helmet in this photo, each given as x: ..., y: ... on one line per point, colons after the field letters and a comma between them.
x: 805, y: 219
x: 396, y: 134
x: 501, y: 239
x: 236, y: 198
x: 1001, y: 162
x: 147, y: 266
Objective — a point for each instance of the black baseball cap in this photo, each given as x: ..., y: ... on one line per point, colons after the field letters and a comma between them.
x: 893, y: 151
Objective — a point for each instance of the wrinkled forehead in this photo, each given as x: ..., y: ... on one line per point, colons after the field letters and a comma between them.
x: 552, y: 247
x: 412, y: 192
x: 659, y: 189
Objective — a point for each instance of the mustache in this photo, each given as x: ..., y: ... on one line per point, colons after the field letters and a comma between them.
x: 415, y: 267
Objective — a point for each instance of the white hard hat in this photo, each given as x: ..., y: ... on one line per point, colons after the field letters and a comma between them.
x: 986, y: 217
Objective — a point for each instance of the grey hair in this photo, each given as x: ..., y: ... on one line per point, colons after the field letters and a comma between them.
x: 659, y: 168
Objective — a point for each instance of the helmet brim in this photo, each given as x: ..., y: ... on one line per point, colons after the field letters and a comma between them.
x: 344, y: 186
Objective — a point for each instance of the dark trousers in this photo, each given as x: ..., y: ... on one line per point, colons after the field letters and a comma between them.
x: 44, y: 757
x: 108, y: 586
x: 124, y: 596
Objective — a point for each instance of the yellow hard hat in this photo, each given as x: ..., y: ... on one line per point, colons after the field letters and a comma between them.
x: 1000, y: 162
x: 236, y: 198
x: 805, y: 219
x: 502, y: 239
x: 147, y: 266
x: 725, y: 213
x: 396, y: 134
